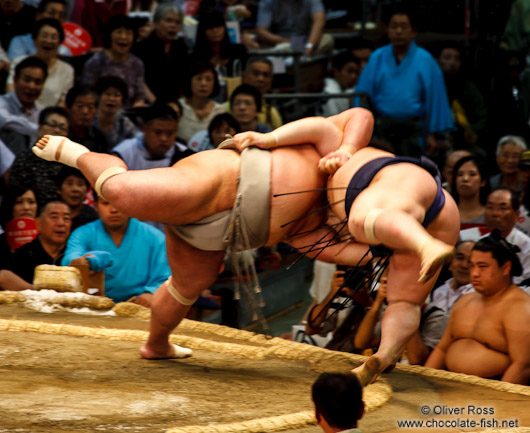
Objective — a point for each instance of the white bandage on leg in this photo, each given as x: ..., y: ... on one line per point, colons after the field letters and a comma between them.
x: 61, y: 149
x: 369, y: 226
x: 178, y: 297
x: 106, y: 175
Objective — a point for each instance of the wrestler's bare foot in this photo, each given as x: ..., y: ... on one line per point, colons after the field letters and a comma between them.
x: 59, y: 148
x: 172, y: 351
x: 368, y: 372
x: 434, y: 255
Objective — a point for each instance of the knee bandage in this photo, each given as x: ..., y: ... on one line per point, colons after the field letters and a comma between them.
x: 369, y: 226
x: 106, y: 175
x: 176, y: 294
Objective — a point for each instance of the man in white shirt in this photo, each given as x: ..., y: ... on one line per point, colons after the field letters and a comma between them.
x: 345, y: 74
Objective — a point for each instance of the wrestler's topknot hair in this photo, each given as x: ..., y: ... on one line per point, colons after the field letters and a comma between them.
x: 501, y: 250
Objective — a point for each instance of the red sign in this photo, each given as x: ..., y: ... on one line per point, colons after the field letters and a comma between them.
x: 20, y: 231
x: 77, y: 39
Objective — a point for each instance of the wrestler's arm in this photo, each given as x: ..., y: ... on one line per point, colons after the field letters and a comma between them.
x: 518, y: 339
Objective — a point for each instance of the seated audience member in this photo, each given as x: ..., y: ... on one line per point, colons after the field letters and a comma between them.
x: 432, y: 325
x: 132, y: 253
x: 445, y: 296
x: 288, y: 21
x: 465, y: 99
x: 30, y: 171
x: 19, y: 109
x: 345, y: 73
x: 502, y: 211
x: 470, y: 188
x: 361, y: 50
x: 212, y: 44
x: 112, y: 92
x: 157, y: 146
x: 245, y: 104
x: 450, y: 160
x: 23, y: 45
x: 219, y: 127
x: 53, y: 224
x: 508, y: 154
x: 488, y: 334
x: 164, y: 53
x: 523, y: 222
x: 16, y: 18
x: 338, y: 400
x: 81, y: 103
x: 48, y: 34
x: 198, y: 108
x: 73, y: 187
x: 93, y: 15
x: 258, y: 73
x: 6, y: 161
x: 116, y: 59
x: 17, y: 203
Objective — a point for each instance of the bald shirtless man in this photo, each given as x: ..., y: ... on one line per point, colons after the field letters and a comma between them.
x: 488, y: 333
x: 388, y: 200
x: 205, y: 195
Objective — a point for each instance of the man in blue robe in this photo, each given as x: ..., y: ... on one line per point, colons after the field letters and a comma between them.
x: 407, y: 91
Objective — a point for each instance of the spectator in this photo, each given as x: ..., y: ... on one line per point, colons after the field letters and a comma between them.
x: 407, y: 90
x: 292, y: 20
x: 523, y: 222
x: 198, y: 109
x: 502, y: 211
x: 470, y: 188
x: 116, y: 59
x: 445, y: 296
x: 164, y: 54
x: 17, y: 203
x: 73, y: 187
x: 448, y: 169
x: 6, y: 161
x: 344, y: 77
x: 245, y: 104
x: 508, y: 153
x: 466, y: 101
x: 19, y: 109
x: 157, y: 146
x: 488, y: 334
x: 23, y: 45
x: 30, y: 171
x: 131, y: 252
x: 112, y: 92
x: 16, y: 18
x: 53, y: 224
x: 212, y: 44
x: 94, y: 15
x: 221, y: 125
x: 361, y: 50
x: 48, y: 34
x: 81, y: 102
x: 338, y: 400
x: 258, y: 73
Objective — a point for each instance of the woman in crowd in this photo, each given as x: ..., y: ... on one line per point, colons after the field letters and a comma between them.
x: 221, y: 125
x: 164, y: 54
x: 48, y: 35
x: 245, y: 104
x: 198, y: 108
x: 112, y: 91
x: 116, y: 59
x: 212, y: 44
x: 508, y: 154
x: 470, y: 188
x: 18, y: 202
x: 72, y: 188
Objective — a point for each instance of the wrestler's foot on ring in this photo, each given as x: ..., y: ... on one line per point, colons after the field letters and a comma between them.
x: 171, y: 352
x: 333, y: 161
x: 434, y: 255
x: 59, y: 148
x: 368, y: 372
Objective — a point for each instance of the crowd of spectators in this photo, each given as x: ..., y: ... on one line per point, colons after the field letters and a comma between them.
x: 149, y: 93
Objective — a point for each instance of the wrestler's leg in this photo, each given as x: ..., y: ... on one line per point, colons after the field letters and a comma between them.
x: 193, y: 270
x: 405, y: 296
